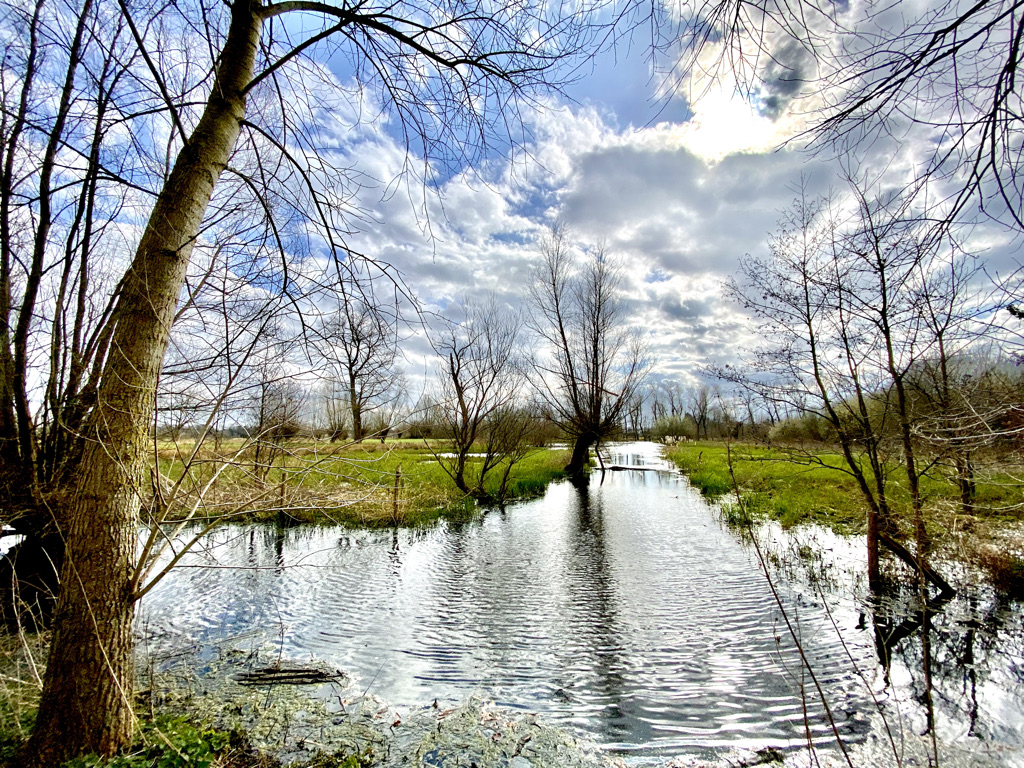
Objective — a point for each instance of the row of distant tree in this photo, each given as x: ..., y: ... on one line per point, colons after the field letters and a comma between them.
x: 985, y: 383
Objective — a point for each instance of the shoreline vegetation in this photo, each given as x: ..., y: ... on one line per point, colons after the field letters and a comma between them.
x: 369, y: 483
x: 219, y: 719
x: 809, y: 485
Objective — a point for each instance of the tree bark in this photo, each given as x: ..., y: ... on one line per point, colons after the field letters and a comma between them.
x: 356, y: 406
x: 86, y: 702
x: 580, y: 456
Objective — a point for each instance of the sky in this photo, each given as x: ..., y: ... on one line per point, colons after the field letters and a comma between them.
x: 678, y: 189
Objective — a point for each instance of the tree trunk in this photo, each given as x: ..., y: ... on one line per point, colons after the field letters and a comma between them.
x: 459, y: 475
x: 357, y: 422
x: 916, y: 563
x: 965, y: 481
x: 86, y: 703
x: 580, y: 456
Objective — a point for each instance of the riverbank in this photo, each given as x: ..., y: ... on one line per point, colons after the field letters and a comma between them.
x: 810, y: 486
x: 371, y: 484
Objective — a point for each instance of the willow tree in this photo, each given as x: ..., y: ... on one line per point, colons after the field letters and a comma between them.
x: 479, y: 382
x: 592, y: 364
x: 450, y: 72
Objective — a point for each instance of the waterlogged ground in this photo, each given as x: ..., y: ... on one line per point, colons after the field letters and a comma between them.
x: 625, y: 617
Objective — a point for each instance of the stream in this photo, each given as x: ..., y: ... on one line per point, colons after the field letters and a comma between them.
x: 626, y: 612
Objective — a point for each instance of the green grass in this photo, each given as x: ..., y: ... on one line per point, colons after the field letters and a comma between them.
x: 796, y: 487
x: 772, y: 486
x: 354, y: 484
x: 166, y: 743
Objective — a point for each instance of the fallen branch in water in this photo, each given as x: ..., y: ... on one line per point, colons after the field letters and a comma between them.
x: 288, y: 676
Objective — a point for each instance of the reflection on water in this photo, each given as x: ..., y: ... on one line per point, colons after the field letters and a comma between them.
x: 623, y: 610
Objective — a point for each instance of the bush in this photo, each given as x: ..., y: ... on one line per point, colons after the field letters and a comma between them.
x: 808, y: 428
x: 674, y: 426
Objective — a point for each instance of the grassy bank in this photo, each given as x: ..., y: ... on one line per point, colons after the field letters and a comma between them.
x: 370, y: 483
x: 796, y: 487
x: 772, y: 486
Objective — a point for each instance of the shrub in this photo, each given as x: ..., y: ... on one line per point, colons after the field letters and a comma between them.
x: 808, y: 428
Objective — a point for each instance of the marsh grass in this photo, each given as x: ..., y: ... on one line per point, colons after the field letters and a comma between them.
x: 773, y: 486
x: 175, y: 733
x: 22, y: 658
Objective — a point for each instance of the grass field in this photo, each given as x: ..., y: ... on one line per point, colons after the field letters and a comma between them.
x: 794, y: 487
x: 399, y: 482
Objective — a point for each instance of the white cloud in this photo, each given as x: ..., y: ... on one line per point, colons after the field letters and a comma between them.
x: 680, y: 202
x: 666, y: 210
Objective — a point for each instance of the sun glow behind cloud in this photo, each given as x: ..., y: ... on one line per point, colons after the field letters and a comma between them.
x: 725, y: 123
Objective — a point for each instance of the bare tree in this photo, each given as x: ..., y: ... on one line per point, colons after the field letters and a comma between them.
x: 275, y: 418
x: 699, y: 401
x: 593, y: 364
x: 479, y: 381
x: 634, y: 422
x: 333, y: 413
x: 675, y: 394
x: 844, y: 326
x: 359, y: 344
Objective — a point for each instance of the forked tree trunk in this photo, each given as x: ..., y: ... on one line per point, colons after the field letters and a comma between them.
x: 86, y: 703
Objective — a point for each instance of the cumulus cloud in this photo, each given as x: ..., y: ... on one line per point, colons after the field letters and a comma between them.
x: 678, y: 220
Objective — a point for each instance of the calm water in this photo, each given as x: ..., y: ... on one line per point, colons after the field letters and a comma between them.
x: 625, y: 612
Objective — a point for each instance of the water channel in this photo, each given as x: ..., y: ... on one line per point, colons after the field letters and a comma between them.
x: 626, y: 612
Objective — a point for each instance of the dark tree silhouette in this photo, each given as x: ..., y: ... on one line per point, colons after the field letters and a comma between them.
x: 593, y: 364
